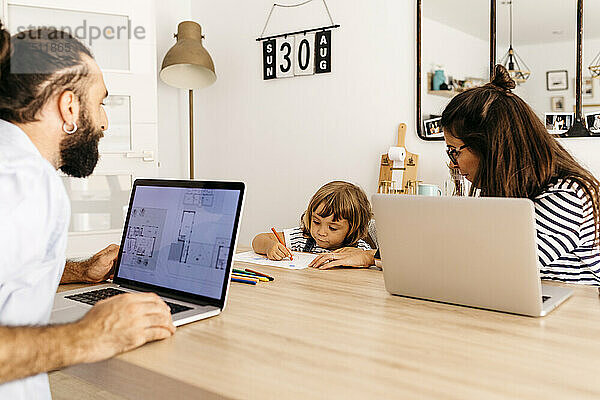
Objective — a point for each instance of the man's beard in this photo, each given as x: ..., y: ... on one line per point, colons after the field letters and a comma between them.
x: 79, y: 151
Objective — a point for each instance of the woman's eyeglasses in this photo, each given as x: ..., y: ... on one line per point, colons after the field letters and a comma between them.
x: 454, y: 153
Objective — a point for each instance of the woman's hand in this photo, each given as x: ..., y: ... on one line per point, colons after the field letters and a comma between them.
x: 345, y: 257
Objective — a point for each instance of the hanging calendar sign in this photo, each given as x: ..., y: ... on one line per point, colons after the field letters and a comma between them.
x: 297, y: 53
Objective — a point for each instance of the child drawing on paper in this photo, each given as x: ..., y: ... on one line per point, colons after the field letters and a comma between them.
x: 336, y: 221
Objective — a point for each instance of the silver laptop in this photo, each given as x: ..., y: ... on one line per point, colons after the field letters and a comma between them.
x: 478, y: 252
x: 178, y: 241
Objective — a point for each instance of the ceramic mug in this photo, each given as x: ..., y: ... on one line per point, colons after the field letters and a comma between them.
x: 426, y: 189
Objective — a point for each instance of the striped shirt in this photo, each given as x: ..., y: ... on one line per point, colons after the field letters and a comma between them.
x: 565, y: 234
x: 296, y: 241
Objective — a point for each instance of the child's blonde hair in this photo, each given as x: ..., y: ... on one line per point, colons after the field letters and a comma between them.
x: 343, y: 200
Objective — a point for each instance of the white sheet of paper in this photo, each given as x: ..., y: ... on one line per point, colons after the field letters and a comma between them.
x: 301, y: 260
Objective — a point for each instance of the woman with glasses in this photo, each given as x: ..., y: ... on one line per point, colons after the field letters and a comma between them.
x: 504, y: 150
x: 498, y: 143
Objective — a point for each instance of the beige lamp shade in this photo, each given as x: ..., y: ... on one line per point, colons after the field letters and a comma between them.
x: 187, y: 65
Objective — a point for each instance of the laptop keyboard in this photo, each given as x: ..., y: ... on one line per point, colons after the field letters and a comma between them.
x: 544, y: 298
x: 95, y: 296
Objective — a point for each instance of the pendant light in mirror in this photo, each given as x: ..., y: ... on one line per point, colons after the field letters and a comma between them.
x: 516, y: 67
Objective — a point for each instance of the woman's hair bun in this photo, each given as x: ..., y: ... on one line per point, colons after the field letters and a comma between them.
x: 502, y: 79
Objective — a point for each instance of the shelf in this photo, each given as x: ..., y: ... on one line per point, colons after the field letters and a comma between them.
x: 443, y: 93
x: 453, y: 92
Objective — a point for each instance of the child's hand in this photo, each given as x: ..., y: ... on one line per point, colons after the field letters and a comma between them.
x: 278, y: 252
x: 344, y: 257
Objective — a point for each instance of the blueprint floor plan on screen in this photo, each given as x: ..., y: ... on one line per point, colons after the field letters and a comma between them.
x: 179, y: 238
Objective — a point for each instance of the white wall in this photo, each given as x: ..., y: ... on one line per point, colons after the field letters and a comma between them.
x: 172, y: 103
x: 461, y: 55
x: 541, y: 58
x: 561, y: 56
x: 287, y: 137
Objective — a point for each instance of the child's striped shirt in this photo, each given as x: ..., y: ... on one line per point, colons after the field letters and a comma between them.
x: 296, y: 241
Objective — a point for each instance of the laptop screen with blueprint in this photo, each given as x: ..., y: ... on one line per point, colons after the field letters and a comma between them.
x: 180, y: 239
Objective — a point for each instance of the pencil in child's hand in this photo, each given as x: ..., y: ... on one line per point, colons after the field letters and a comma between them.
x: 281, y: 241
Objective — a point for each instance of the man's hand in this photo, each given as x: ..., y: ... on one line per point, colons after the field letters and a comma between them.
x: 96, y: 269
x: 111, y: 327
x: 102, y: 264
x: 122, y: 323
x: 345, y: 257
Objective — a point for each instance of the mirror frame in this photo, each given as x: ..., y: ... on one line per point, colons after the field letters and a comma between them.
x: 577, y: 130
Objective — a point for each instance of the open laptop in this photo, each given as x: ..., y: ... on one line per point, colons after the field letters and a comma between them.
x: 478, y: 252
x: 179, y: 240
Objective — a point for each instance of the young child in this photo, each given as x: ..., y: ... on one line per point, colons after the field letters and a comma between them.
x: 337, y: 217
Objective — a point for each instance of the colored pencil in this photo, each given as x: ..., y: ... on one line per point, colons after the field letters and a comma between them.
x: 241, y: 271
x: 281, y: 241
x: 250, y: 276
x: 243, y: 280
x: 260, y: 274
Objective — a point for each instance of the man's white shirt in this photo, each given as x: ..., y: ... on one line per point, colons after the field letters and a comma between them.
x: 35, y: 211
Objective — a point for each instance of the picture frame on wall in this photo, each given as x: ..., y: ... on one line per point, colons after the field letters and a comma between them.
x: 433, y: 128
x: 587, y: 88
x: 558, y: 123
x: 557, y: 103
x: 557, y: 80
x: 592, y: 121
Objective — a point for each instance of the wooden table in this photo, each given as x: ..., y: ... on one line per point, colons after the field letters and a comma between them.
x: 339, y: 334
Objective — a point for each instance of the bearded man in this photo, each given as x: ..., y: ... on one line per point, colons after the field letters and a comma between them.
x: 52, y: 117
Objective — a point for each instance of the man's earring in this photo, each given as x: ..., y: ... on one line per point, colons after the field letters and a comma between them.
x: 73, y: 130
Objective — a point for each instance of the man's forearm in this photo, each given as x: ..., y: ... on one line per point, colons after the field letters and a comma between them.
x: 95, y: 269
x: 27, y: 351
x: 73, y: 272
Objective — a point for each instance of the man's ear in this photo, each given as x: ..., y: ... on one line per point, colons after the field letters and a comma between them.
x: 68, y: 106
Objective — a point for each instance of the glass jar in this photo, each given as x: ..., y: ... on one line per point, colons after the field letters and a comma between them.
x: 456, y: 184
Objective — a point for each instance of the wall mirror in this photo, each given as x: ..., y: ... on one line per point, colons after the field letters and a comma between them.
x: 453, y: 54
x: 458, y: 43
x: 544, y: 38
x: 543, y: 35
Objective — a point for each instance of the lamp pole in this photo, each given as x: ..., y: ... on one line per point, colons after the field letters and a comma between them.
x: 191, y: 111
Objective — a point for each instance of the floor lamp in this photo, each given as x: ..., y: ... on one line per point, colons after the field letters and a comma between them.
x: 187, y: 65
